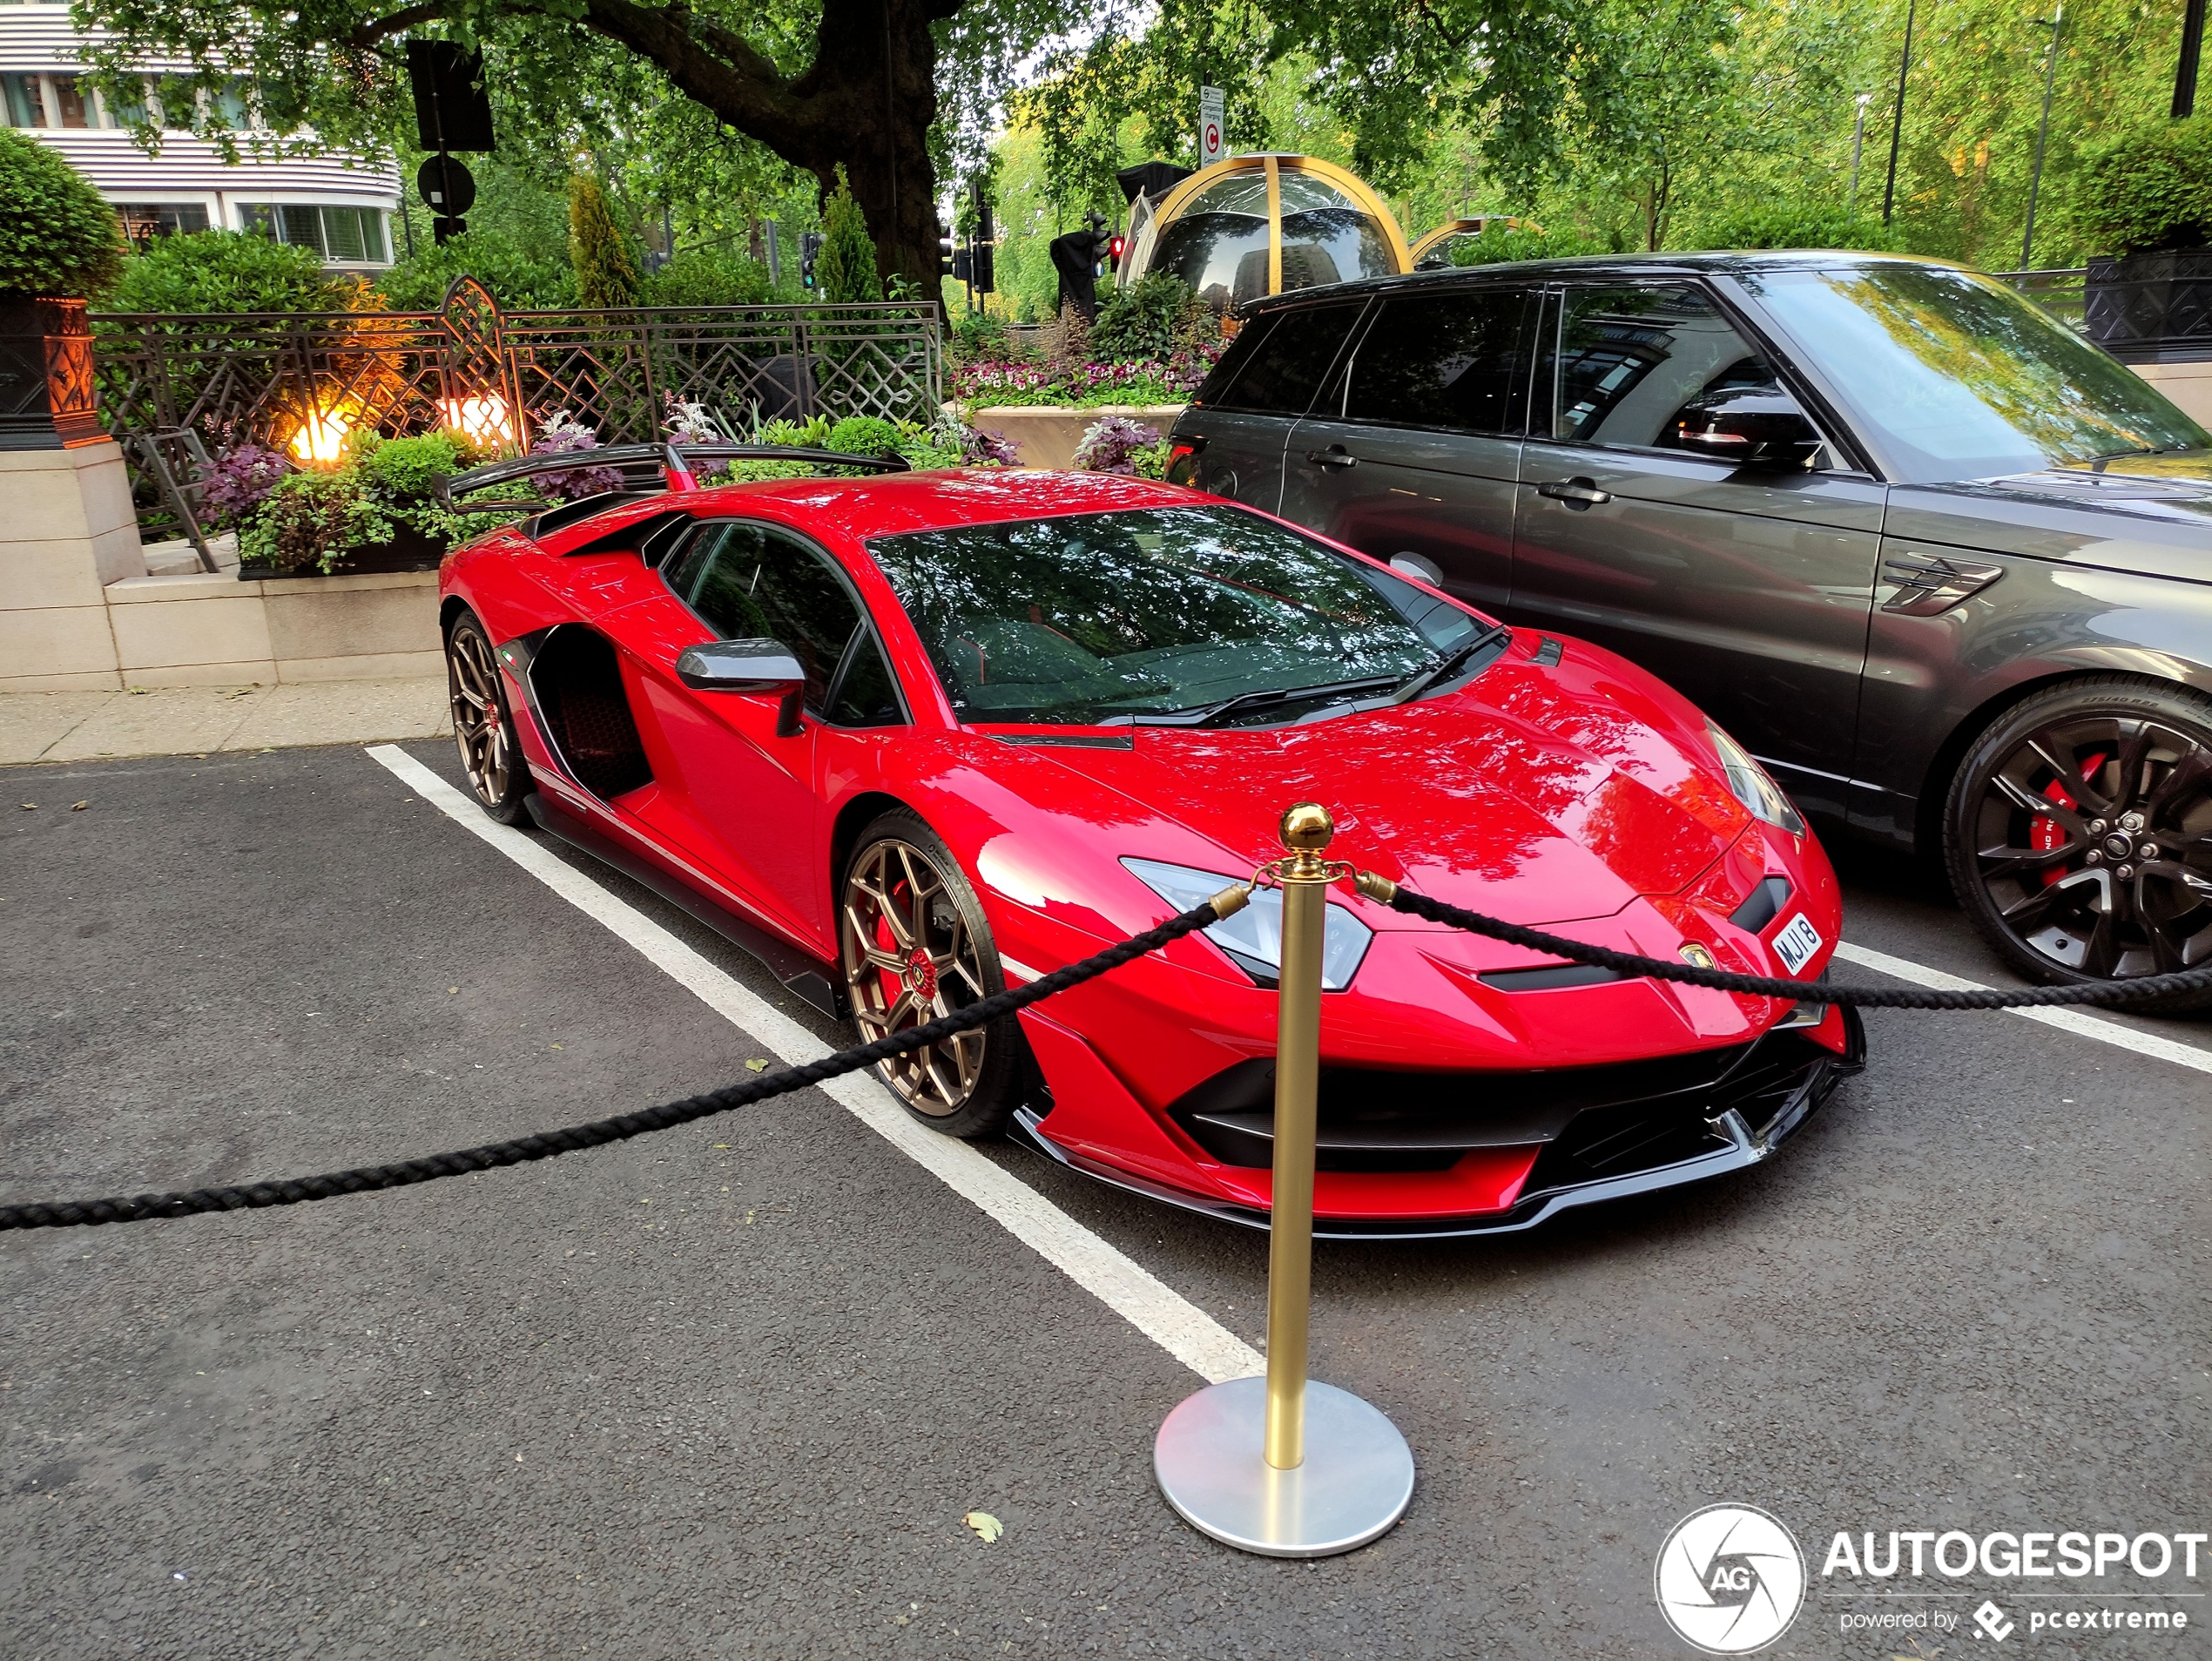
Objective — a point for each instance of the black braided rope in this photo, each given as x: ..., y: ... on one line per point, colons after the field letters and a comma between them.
x: 1862, y: 997
x: 548, y: 1145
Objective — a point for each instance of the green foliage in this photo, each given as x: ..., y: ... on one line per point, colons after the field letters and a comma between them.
x: 1795, y: 225
x: 2146, y: 187
x: 862, y: 435
x: 519, y: 282
x: 605, y: 274
x: 708, y: 277
x: 1148, y: 318
x: 845, y: 270
x: 226, y: 270
x: 312, y: 519
x: 408, y: 470
x: 979, y: 337
x: 57, y: 237
x: 1500, y: 244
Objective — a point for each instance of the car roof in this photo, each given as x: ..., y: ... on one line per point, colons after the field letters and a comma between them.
x: 1719, y: 263
x: 889, y: 503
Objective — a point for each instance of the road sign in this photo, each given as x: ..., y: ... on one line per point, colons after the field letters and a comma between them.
x: 1211, y: 149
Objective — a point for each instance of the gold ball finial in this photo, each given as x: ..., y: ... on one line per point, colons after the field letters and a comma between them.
x: 1306, y: 827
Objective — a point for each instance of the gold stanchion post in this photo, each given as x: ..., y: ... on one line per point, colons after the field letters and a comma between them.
x: 1278, y: 1465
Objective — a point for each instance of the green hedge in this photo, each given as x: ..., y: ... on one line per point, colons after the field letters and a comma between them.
x: 2149, y: 188
x: 227, y: 271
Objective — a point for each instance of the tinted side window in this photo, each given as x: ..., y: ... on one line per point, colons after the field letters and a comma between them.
x: 1288, y: 366
x: 866, y: 696
x: 757, y: 582
x: 1452, y: 360
x: 1628, y: 356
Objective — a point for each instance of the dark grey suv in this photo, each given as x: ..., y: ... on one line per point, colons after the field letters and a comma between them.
x: 1944, y: 567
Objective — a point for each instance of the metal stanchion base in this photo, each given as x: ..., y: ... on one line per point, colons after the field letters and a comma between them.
x: 1356, y: 1482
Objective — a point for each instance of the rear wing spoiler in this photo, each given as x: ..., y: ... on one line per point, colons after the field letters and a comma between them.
x: 672, y: 467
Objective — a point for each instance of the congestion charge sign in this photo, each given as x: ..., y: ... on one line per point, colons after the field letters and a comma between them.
x: 1210, y: 114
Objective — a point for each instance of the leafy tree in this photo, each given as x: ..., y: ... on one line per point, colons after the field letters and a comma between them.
x: 605, y: 274
x: 2149, y: 187
x: 707, y: 277
x: 1795, y: 225
x: 846, y: 270
x: 58, y: 238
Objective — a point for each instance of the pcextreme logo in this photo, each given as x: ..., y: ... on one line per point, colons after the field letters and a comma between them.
x: 1730, y: 1579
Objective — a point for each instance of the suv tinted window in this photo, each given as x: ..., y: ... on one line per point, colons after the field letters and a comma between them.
x: 1448, y: 360
x: 750, y: 580
x: 1288, y: 365
x: 1628, y: 356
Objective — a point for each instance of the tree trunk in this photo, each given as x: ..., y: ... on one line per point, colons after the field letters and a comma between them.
x: 868, y: 101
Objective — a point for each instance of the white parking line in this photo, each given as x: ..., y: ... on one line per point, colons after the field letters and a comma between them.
x: 1132, y: 1291
x: 2080, y: 1022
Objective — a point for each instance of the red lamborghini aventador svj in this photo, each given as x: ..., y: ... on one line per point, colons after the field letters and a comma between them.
x: 911, y: 738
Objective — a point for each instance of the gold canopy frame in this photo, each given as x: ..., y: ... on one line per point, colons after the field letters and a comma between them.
x: 1272, y: 167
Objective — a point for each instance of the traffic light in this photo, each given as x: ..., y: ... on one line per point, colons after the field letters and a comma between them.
x: 810, y: 245
x: 1114, y: 252
x: 948, y: 254
x: 1102, y: 239
x: 980, y: 249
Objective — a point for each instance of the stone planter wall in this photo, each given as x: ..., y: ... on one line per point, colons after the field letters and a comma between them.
x: 1046, y: 435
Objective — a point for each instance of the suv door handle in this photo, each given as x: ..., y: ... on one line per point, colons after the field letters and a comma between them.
x: 1335, y: 455
x: 1575, y: 493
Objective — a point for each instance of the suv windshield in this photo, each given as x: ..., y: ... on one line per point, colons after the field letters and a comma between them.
x: 1163, y: 613
x: 1964, y: 378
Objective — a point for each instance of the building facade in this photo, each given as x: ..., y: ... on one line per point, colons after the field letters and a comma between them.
x: 341, y: 206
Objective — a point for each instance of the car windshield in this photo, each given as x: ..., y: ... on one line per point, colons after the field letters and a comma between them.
x: 1163, y: 613
x: 1964, y: 377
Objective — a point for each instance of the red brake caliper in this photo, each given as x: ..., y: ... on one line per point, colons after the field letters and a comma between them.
x: 2044, y: 834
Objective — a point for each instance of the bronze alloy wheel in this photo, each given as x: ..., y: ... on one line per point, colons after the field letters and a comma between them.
x: 2083, y: 824
x: 914, y: 946
x: 482, y: 727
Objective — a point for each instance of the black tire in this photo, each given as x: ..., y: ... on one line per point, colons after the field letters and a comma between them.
x: 902, y: 881
x: 2078, y: 833
x: 498, y: 776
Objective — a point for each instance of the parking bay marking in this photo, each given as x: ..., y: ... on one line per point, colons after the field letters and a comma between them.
x: 1132, y: 1291
x: 2077, y: 1022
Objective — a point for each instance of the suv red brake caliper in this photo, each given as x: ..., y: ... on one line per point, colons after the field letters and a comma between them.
x: 2044, y: 834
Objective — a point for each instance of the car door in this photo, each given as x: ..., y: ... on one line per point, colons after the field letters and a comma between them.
x: 739, y: 785
x: 1237, y: 429
x: 1748, y: 588
x: 1415, y: 447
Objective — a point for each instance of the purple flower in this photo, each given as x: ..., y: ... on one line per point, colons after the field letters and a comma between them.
x: 981, y: 448
x: 242, y: 476
x: 558, y: 436
x: 1110, y: 444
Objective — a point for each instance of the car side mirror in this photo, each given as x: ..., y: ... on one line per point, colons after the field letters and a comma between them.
x: 1418, y: 566
x: 1749, y: 426
x: 747, y: 666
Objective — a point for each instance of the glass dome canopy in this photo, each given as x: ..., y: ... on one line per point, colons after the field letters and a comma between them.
x: 1254, y: 225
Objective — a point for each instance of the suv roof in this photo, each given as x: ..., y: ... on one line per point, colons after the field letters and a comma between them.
x: 1626, y: 265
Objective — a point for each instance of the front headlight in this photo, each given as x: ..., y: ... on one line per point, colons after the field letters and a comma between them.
x: 1748, y: 783
x: 1254, y: 936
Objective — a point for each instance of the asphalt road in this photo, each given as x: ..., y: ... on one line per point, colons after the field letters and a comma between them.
x: 730, y: 1389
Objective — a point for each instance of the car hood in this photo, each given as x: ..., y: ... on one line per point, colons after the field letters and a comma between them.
x: 2151, y: 514
x: 1520, y: 800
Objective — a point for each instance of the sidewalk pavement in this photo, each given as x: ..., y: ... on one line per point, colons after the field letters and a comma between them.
x: 201, y: 720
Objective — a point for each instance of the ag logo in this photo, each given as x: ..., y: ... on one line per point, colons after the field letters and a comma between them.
x: 1730, y: 1579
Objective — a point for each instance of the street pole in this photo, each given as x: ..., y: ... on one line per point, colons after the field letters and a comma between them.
x: 1858, y: 146
x: 1897, y: 122
x: 2192, y: 48
x: 2042, y: 132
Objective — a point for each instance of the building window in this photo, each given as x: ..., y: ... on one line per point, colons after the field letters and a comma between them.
x: 25, y: 107
x: 143, y: 221
x: 343, y: 236
x: 73, y: 100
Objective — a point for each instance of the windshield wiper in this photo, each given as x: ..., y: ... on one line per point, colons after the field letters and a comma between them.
x: 1421, y: 679
x: 1205, y: 715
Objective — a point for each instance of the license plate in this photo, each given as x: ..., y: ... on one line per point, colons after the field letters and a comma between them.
x: 1798, y: 942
